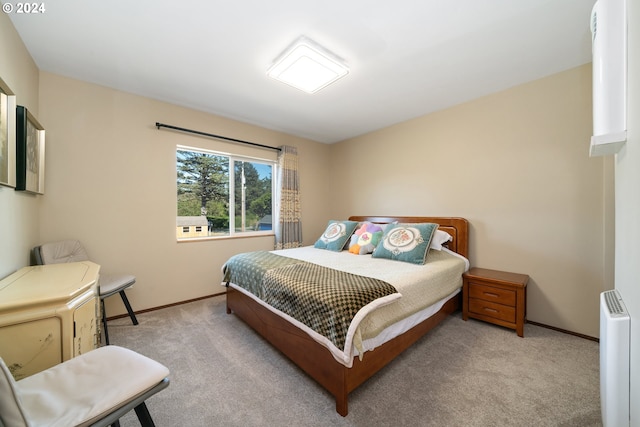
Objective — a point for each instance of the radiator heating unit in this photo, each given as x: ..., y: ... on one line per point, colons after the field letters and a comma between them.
x: 614, y: 360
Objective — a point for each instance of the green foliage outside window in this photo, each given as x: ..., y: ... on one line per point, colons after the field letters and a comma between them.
x: 212, y: 185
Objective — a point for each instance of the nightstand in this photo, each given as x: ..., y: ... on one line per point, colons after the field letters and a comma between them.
x: 497, y: 297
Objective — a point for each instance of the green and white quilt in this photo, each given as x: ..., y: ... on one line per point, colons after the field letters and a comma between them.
x: 324, y: 299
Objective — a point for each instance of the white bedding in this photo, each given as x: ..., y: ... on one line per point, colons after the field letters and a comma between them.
x: 424, y: 289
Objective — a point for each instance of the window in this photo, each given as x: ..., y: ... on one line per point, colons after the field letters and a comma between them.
x: 223, y: 195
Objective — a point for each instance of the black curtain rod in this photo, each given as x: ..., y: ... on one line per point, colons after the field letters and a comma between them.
x: 211, y: 135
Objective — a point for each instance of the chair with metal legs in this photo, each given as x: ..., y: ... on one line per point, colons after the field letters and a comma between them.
x: 73, y: 251
x: 93, y: 389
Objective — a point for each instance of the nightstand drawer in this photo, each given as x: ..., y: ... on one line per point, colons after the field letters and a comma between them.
x: 490, y: 309
x: 495, y: 295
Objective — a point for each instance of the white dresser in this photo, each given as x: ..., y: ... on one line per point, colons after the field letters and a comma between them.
x: 48, y: 314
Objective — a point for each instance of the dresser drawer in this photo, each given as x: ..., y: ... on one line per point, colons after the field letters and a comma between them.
x: 490, y: 309
x: 492, y: 294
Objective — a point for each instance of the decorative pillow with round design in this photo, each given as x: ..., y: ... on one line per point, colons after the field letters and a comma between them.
x: 406, y: 242
x: 336, y: 235
x: 365, y: 239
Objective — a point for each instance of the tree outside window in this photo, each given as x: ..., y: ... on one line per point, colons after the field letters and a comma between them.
x: 232, y: 194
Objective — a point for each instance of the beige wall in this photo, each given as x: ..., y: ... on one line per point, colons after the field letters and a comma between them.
x: 18, y: 210
x: 516, y: 165
x: 111, y: 182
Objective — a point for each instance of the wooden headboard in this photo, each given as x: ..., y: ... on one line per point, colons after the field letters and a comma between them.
x: 457, y: 227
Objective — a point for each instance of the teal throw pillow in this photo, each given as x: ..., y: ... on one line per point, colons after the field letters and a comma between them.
x: 336, y: 235
x: 406, y: 242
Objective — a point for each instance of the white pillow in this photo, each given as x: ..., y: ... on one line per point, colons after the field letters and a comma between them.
x: 439, y: 239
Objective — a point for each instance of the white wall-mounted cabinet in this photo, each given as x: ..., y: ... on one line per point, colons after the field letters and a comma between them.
x: 609, y: 38
x: 48, y: 314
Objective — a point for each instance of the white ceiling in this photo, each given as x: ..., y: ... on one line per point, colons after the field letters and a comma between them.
x: 407, y: 58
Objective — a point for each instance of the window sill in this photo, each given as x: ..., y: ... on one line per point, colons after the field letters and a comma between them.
x: 226, y: 237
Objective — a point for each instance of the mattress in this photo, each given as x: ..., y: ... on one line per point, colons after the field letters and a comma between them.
x: 424, y: 289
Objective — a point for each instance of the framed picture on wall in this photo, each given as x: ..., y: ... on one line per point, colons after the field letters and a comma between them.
x: 29, y: 152
x: 7, y: 136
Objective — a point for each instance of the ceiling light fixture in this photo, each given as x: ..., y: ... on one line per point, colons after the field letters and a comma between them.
x: 307, y: 66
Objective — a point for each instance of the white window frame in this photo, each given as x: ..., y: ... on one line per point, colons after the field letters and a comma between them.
x: 232, y: 233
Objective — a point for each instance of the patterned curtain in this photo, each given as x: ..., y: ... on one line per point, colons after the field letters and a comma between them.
x: 288, y: 226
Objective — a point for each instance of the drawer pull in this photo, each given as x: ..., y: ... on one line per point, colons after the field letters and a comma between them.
x: 493, y: 310
x: 491, y: 294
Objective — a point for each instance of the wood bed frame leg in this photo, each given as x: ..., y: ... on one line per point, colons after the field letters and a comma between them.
x: 342, y: 405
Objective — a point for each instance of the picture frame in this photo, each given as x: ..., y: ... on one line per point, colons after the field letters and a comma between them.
x: 30, y: 152
x: 7, y: 136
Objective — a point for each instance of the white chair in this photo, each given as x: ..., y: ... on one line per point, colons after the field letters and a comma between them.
x: 82, y: 391
x: 73, y: 251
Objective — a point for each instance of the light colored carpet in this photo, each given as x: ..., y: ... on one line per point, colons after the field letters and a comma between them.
x: 460, y: 374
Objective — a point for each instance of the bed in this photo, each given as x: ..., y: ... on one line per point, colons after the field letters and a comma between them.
x: 342, y: 371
